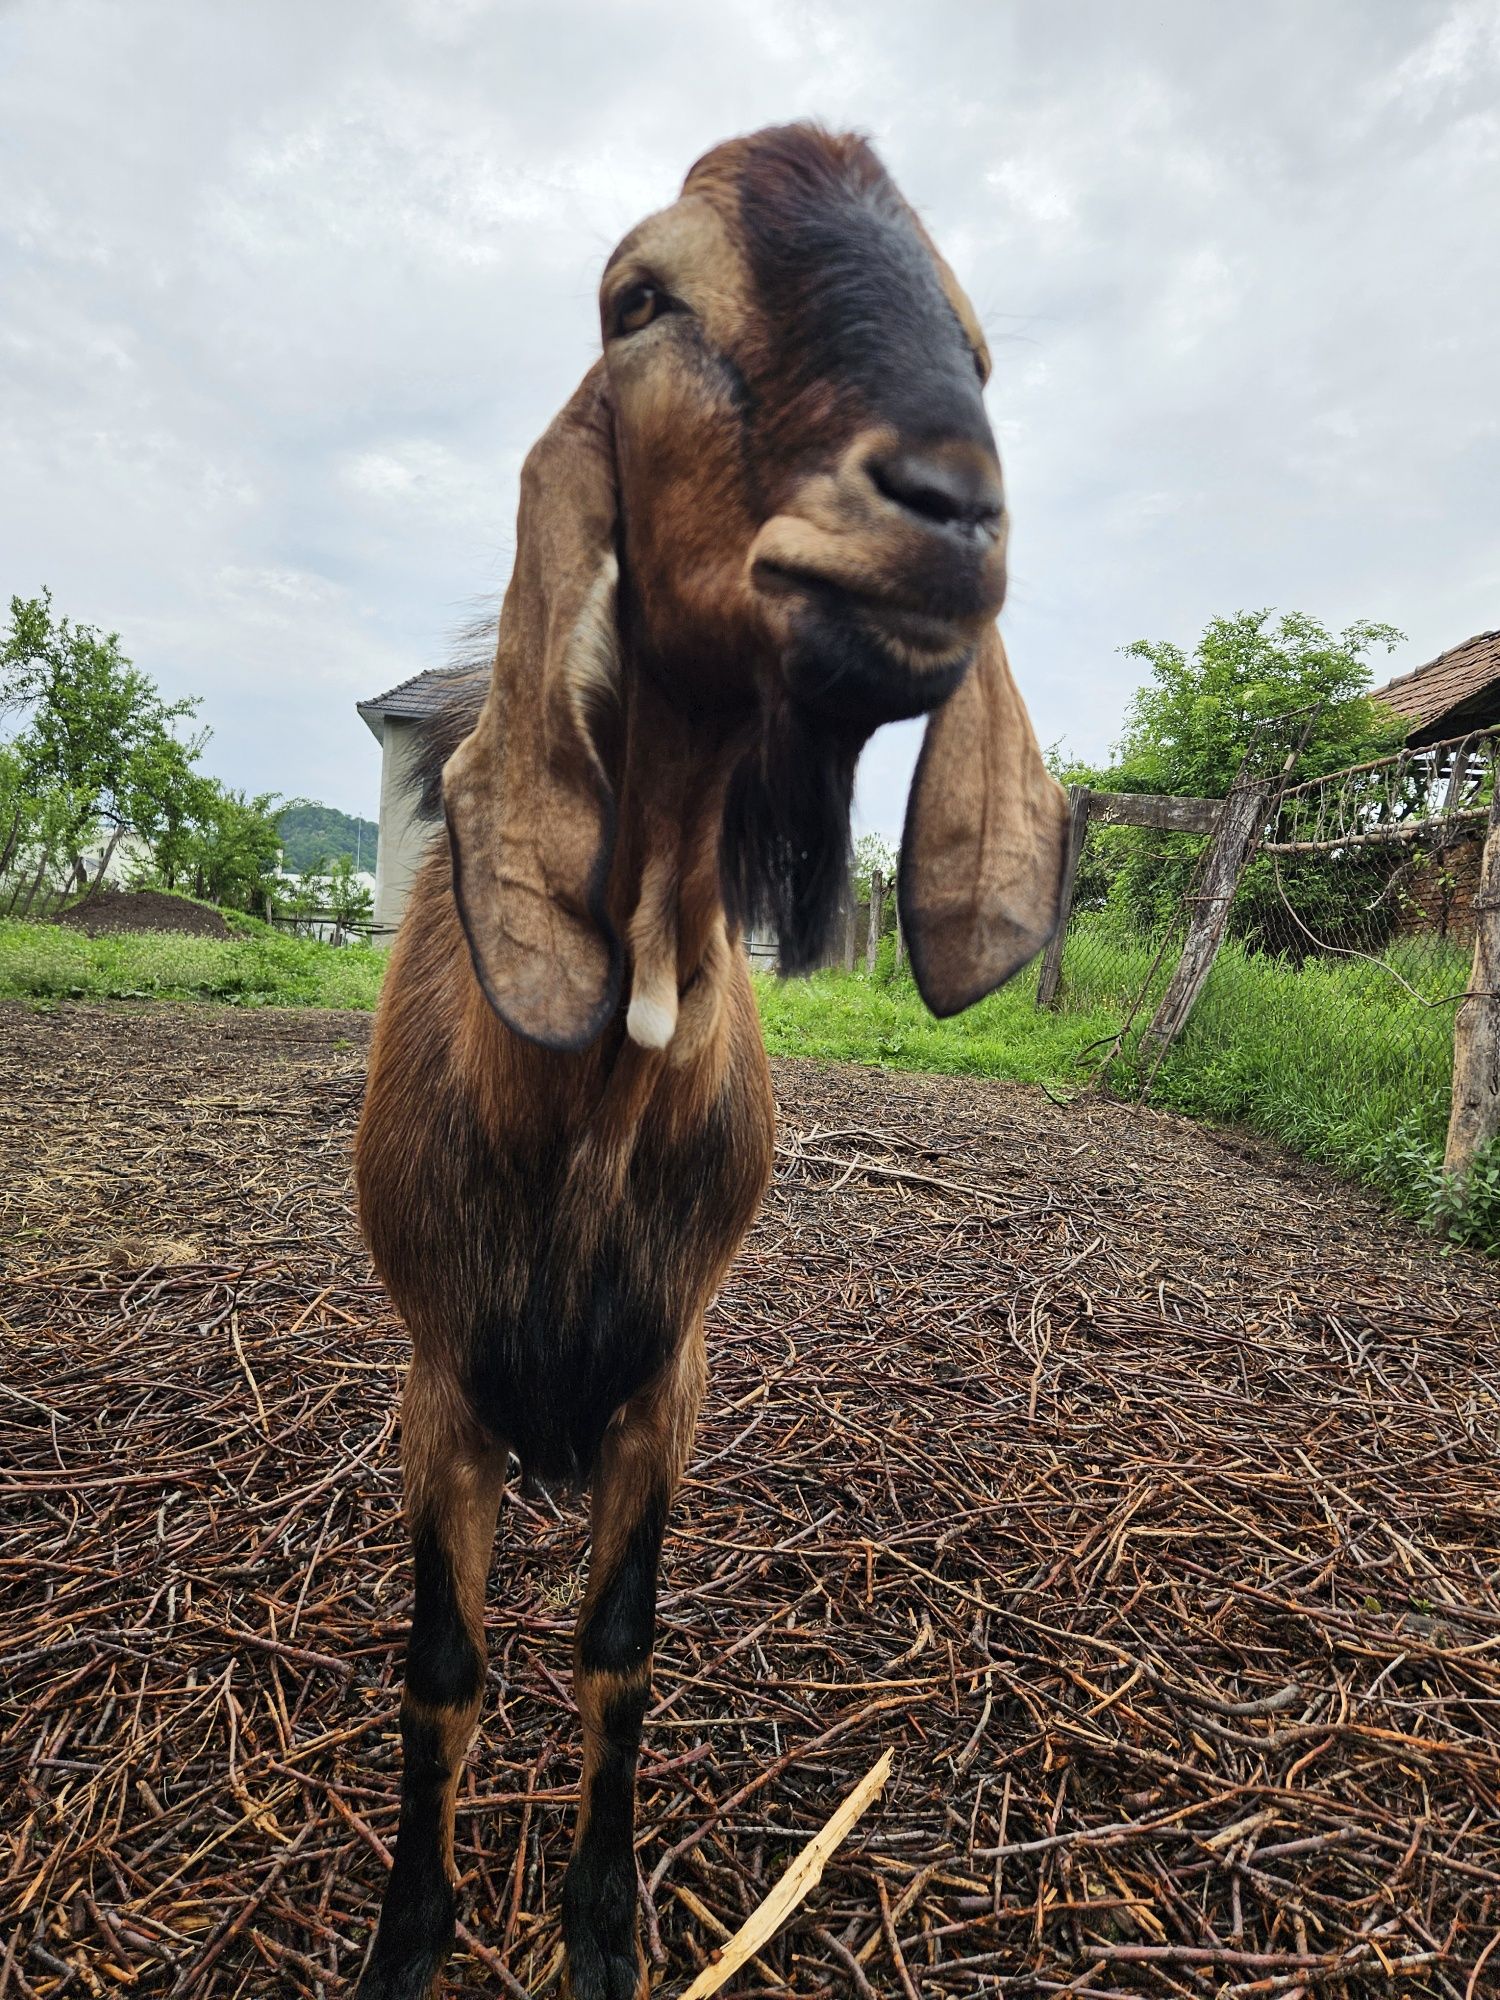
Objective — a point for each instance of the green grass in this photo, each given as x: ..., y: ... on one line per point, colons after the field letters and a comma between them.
x: 852, y: 1018
x: 259, y: 968
x: 1337, y: 1059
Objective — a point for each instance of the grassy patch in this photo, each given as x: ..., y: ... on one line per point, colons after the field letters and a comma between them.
x: 844, y: 1017
x: 1341, y: 1062
x: 257, y: 969
x: 1336, y: 1059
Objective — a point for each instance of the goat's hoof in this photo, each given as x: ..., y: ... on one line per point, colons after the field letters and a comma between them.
x: 417, y: 1979
x: 595, y: 1974
x: 601, y: 1929
x: 412, y: 1944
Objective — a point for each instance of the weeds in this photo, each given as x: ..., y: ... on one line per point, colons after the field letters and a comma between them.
x: 256, y: 969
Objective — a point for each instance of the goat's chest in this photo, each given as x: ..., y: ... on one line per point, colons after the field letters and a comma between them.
x: 584, y: 1274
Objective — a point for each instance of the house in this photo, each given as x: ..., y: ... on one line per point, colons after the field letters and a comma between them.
x: 393, y: 719
x: 1456, y: 692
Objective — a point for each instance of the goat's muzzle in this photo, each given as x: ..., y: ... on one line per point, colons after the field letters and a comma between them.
x: 883, y: 574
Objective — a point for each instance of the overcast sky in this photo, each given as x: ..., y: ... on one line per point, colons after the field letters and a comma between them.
x: 287, y: 289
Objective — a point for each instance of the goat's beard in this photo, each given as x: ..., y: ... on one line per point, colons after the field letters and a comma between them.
x: 785, y: 855
x: 786, y: 849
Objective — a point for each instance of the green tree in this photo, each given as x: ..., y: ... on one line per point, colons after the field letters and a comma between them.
x: 97, y: 734
x: 1187, y: 731
x: 1188, y: 728
x: 873, y: 854
x: 304, y: 897
x: 231, y: 845
x: 349, y: 902
x: 37, y: 824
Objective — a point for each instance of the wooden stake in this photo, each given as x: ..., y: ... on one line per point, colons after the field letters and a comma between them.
x: 1475, y: 1118
x: 795, y: 1885
x: 1079, y: 800
x: 877, y: 917
x: 1242, y: 820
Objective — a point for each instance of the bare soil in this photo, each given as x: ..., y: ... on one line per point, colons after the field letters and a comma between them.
x: 108, y: 910
x: 1139, y: 1493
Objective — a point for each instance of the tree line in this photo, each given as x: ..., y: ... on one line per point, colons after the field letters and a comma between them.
x: 98, y: 756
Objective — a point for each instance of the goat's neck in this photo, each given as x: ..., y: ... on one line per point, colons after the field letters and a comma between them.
x: 665, y: 895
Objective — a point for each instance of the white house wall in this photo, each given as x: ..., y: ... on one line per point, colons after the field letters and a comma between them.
x: 403, y: 837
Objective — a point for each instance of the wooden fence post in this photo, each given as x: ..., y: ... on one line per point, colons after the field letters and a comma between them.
x: 851, y: 919
x: 1475, y: 1118
x: 900, y: 935
x: 1239, y: 825
x: 1078, y: 826
x: 877, y: 917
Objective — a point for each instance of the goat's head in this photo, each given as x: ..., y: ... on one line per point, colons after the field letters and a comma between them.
x: 778, y: 498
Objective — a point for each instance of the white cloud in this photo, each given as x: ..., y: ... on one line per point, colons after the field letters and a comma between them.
x: 289, y: 290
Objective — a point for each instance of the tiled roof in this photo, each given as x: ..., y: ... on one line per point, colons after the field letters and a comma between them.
x: 1458, y: 690
x: 414, y: 699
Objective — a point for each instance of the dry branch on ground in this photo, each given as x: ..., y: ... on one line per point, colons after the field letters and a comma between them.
x: 1137, y: 1492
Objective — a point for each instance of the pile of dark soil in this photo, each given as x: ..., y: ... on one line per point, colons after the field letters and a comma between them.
x: 109, y: 910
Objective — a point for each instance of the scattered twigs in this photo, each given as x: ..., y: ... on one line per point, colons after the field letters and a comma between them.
x: 1138, y: 1496
x: 794, y: 1887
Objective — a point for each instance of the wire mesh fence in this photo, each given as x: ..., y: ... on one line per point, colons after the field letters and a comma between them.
x: 1348, y: 945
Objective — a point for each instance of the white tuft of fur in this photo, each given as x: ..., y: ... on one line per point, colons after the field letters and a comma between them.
x: 651, y: 1021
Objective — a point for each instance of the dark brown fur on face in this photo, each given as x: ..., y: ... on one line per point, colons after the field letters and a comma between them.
x: 738, y: 549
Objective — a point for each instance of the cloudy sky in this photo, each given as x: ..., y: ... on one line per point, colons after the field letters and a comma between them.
x: 286, y: 290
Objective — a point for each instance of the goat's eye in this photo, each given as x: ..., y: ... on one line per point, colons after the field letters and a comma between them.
x: 637, y: 307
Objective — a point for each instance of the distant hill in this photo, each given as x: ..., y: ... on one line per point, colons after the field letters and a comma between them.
x: 312, y: 834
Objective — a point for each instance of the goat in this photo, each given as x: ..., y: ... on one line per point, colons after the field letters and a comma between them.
x: 769, y: 520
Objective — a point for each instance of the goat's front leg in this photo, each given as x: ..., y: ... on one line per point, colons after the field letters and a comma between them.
x: 639, y: 1466
x: 453, y: 1480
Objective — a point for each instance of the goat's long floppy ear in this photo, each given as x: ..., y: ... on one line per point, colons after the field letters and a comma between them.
x: 986, y: 830
x: 528, y: 802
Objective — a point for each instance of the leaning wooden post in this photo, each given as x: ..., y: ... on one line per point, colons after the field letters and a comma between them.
x: 1239, y: 826
x: 1078, y: 826
x: 900, y: 935
x: 877, y: 915
x: 1475, y: 1119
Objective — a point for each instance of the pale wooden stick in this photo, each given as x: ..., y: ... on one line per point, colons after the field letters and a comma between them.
x: 796, y: 1884
x: 234, y: 1335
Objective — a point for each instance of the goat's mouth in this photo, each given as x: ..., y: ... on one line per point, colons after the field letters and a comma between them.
x: 927, y: 638
x: 926, y: 594
x: 856, y: 659
x: 880, y: 576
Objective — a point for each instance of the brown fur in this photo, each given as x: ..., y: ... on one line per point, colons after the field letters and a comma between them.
x: 733, y: 561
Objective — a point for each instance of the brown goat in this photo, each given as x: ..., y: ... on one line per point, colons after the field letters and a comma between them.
x: 769, y: 520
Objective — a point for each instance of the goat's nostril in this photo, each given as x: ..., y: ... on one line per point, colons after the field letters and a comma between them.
x: 945, y: 488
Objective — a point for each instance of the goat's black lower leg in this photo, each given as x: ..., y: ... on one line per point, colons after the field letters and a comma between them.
x: 453, y: 1486
x: 633, y: 1486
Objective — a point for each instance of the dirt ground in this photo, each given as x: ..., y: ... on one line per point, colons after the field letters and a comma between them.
x: 1137, y: 1488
